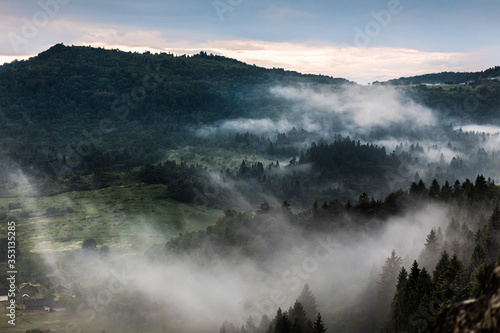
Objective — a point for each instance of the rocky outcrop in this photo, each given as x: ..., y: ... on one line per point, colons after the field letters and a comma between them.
x: 477, y: 315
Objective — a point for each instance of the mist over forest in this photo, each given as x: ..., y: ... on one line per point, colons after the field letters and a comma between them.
x: 163, y: 193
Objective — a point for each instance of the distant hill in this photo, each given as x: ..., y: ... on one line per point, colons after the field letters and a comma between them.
x: 446, y: 77
x: 69, y: 81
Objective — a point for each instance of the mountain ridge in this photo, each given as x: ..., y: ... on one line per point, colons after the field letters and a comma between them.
x: 446, y: 77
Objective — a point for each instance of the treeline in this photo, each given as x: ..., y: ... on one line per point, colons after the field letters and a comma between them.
x: 450, y: 266
x: 474, y: 103
x: 447, y: 77
x: 247, y: 230
x: 345, y: 157
x: 183, y: 180
x: 340, y: 169
x: 345, y: 167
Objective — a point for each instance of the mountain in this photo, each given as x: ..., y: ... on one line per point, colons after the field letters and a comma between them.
x: 67, y: 94
x: 446, y: 77
x: 85, y: 108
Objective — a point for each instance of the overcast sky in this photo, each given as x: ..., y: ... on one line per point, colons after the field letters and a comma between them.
x: 363, y: 40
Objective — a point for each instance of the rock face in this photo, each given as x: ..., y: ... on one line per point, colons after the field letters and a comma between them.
x: 473, y: 316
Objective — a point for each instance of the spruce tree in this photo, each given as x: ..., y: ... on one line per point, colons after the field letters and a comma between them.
x: 264, y: 324
x: 298, y: 314
x: 387, y: 284
x: 434, y: 190
x: 319, y: 326
x: 296, y: 327
x: 494, y: 220
x: 282, y: 322
x: 398, y: 315
x: 429, y: 255
x: 308, y: 301
x: 477, y: 281
x: 315, y: 209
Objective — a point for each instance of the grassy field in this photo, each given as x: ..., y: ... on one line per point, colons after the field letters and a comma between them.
x: 53, y: 321
x: 218, y: 159
x: 58, y: 322
x: 121, y: 216
x: 62, y: 322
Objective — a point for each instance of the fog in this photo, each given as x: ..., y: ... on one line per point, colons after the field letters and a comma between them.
x: 256, y: 126
x: 234, y: 288
x: 348, y: 110
x: 378, y: 115
x: 354, y: 108
x: 197, y: 293
x: 427, y: 145
x: 490, y: 129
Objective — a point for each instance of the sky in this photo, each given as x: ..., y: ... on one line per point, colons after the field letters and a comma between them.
x: 362, y: 41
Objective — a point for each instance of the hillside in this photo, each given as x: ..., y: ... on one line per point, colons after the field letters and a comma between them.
x: 79, y: 109
x: 126, y: 102
x: 446, y: 77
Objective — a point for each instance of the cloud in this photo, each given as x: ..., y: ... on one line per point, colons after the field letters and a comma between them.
x: 242, y: 125
x: 360, y: 64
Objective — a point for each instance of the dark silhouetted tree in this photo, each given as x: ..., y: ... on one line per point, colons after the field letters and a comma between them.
x: 282, y: 322
x: 299, y: 317
x: 319, y: 326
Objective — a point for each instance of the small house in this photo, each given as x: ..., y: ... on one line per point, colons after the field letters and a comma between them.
x: 29, y: 289
x: 44, y: 304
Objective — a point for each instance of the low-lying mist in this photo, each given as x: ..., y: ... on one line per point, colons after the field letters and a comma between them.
x: 431, y: 145
x: 348, y: 110
x: 197, y: 290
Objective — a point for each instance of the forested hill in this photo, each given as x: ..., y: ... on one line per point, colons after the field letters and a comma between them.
x: 118, y: 104
x: 139, y: 101
x: 84, y: 82
x: 447, y: 77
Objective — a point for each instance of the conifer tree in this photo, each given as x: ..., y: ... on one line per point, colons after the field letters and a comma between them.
x: 298, y: 314
x: 477, y: 257
x: 429, y: 255
x: 282, y: 322
x: 434, y: 190
x: 264, y: 324
x: 398, y: 315
x: 296, y: 327
x: 387, y: 283
x: 315, y: 209
x: 319, y: 326
x: 477, y: 281
x: 494, y: 220
x: 308, y: 301
x: 250, y: 325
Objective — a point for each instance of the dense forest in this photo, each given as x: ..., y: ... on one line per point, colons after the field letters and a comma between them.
x: 227, y: 197
x: 447, y: 77
x: 450, y: 267
x: 75, y: 107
